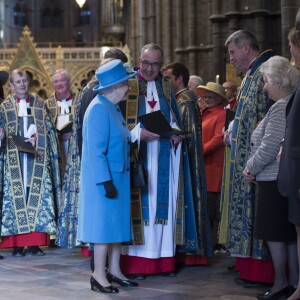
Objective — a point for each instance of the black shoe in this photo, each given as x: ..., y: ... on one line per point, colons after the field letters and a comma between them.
x: 219, y: 249
x: 291, y: 292
x: 249, y: 284
x: 168, y: 274
x: 95, y: 285
x: 239, y: 281
x: 121, y: 282
x: 52, y: 244
x: 231, y: 268
x: 253, y: 284
x: 18, y: 252
x: 285, y: 292
x: 137, y: 276
x: 1, y: 257
x: 35, y: 251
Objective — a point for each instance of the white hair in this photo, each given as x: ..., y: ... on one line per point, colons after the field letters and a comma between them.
x: 278, y: 69
x: 195, y: 81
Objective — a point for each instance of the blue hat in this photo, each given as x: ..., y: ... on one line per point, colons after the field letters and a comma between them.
x: 111, y: 73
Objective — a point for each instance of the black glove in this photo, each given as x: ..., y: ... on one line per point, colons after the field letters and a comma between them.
x: 110, y: 189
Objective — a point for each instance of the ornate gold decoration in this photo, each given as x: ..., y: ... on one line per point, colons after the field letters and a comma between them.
x: 43, y: 62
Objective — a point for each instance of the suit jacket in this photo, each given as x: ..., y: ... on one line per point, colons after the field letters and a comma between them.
x: 265, y: 142
x: 288, y: 177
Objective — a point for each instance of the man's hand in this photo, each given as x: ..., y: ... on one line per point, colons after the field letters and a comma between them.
x: 2, y: 133
x: 31, y: 140
x: 177, y: 139
x: 147, y: 136
x: 226, y: 137
x: 248, y: 176
x: 279, y: 154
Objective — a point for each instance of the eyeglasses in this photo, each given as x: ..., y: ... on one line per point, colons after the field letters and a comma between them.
x: 146, y: 64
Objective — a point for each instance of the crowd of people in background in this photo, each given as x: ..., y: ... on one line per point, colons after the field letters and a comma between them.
x: 223, y: 179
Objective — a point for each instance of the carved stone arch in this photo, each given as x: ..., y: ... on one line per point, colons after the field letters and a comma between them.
x: 41, y: 79
x: 28, y: 58
x: 84, y: 75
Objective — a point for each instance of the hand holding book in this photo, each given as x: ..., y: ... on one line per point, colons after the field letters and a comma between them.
x: 147, y: 136
x: 22, y: 145
x: 155, y: 122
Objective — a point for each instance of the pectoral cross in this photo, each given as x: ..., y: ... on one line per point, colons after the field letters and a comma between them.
x: 152, y: 104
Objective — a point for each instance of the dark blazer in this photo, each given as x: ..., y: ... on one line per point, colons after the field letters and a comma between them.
x: 289, y: 168
x: 87, y: 96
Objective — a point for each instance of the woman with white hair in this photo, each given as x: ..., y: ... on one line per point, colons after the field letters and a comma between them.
x: 262, y: 167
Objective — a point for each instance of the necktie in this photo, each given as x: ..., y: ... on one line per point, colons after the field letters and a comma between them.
x: 64, y: 105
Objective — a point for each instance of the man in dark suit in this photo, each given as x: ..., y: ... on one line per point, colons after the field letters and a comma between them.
x: 3, y: 79
x: 288, y: 177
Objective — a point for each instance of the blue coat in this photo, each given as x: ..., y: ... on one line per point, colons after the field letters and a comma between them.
x: 105, y: 156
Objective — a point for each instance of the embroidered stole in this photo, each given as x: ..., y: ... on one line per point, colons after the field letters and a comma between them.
x: 135, y: 203
x: 26, y: 213
x: 246, y: 84
x: 162, y: 197
x: 132, y: 109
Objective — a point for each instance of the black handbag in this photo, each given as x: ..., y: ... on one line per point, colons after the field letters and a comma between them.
x: 137, y: 173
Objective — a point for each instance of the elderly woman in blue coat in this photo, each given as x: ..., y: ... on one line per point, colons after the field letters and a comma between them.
x: 104, y: 206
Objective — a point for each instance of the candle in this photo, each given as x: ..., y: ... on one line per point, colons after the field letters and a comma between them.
x: 217, y: 78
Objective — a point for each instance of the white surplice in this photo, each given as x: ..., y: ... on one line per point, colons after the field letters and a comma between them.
x: 159, y: 239
x: 62, y: 119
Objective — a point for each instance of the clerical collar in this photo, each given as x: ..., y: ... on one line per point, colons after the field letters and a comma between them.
x: 19, y: 99
x: 67, y: 99
x: 252, y: 62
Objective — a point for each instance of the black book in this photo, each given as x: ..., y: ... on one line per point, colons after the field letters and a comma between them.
x: 157, y: 123
x: 23, y: 146
x: 66, y: 128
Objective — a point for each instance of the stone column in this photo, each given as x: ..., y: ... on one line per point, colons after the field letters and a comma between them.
x: 167, y: 30
x: 260, y: 28
x: 192, y: 44
x: 142, y: 13
x: 135, y: 42
x: 151, y: 28
x: 233, y: 15
x: 95, y: 21
x: 218, y: 63
x: 289, y: 9
x: 158, y: 21
x: 181, y: 30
